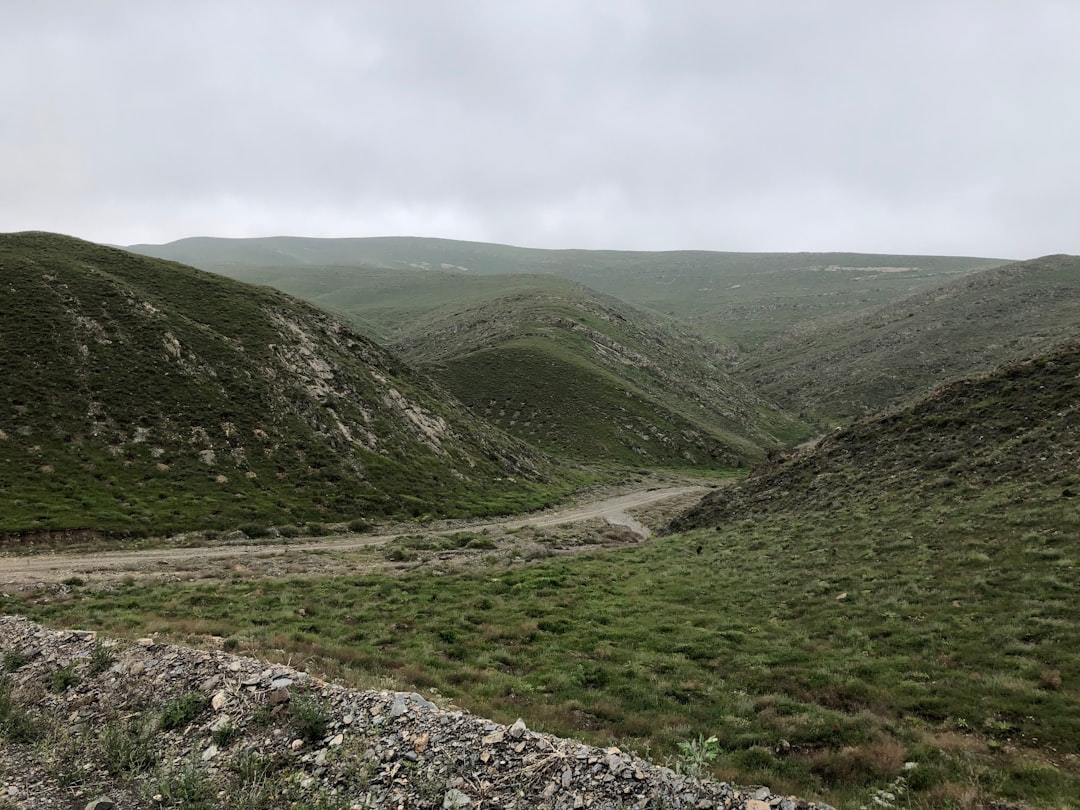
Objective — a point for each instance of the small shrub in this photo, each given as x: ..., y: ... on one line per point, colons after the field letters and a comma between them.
x: 318, y: 530
x: 180, y: 711
x: 359, y: 525
x: 188, y: 787
x: 1050, y: 679
x: 255, y: 529
x: 230, y: 644
x: 253, y: 768
x: 695, y: 756
x: 127, y: 746
x: 309, y: 718
x: 60, y: 680
x: 16, y: 724
x: 74, y: 582
x: 14, y: 660
x: 224, y: 736
x: 101, y: 658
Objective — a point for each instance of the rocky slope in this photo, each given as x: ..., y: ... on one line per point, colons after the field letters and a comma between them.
x: 97, y: 723
x: 140, y: 395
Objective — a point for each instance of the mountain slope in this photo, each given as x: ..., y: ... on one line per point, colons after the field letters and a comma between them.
x: 742, y: 298
x: 585, y: 376
x: 872, y: 359
x: 921, y: 567
x: 140, y: 395
x: 1017, y: 428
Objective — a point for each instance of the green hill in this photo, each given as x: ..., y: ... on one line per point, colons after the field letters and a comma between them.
x: 741, y: 298
x: 585, y: 376
x: 854, y: 365
x: 917, y: 571
x: 138, y: 395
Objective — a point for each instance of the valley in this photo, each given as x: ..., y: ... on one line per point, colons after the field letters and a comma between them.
x: 278, y: 557
x: 818, y: 511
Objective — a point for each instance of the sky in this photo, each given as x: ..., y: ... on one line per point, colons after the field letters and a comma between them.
x: 890, y: 126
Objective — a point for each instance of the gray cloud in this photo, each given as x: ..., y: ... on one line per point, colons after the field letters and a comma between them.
x: 940, y: 127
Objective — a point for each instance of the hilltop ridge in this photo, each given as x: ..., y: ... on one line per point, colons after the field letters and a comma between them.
x: 853, y: 365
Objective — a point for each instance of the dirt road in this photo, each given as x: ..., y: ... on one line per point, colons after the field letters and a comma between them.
x: 46, y: 568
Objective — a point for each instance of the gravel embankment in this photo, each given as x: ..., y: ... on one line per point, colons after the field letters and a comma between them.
x: 87, y: 723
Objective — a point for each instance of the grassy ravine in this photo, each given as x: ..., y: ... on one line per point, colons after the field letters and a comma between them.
x: 584, y: 376
x: 955, y: 646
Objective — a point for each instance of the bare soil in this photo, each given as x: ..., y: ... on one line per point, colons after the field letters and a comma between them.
x: 609, y: 521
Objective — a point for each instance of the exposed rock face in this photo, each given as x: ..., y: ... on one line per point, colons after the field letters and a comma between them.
x: 89, y: 722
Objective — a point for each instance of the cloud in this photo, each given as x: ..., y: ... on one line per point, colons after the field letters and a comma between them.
x: 924, y: 127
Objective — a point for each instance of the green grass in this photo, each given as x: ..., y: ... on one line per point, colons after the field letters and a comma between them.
x: 907, y: 592
x: 880, y: 356
x: 586, y: 377
x: 955, y: 646
x: 741, y: 298
x: 140, y: 396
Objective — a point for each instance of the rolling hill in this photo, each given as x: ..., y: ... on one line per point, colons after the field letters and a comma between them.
x: 854, y: 365
x: 138, y: 395
x: 584, y: 376
x: 1015, y: 429
x: 739, y: 298
x: 920, y: 567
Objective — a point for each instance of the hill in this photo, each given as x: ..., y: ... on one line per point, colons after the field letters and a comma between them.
x: 138, y: 396
x: 740, y: 298
x: 584, y: 376
x: 854, y: 365
x: 922, y: 567
x: 1016, y: 428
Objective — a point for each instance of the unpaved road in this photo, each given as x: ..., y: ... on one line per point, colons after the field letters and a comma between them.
x: 45, y: 568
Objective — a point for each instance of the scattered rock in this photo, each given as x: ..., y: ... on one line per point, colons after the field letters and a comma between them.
x: 455, y: 800
x: 402, y: 743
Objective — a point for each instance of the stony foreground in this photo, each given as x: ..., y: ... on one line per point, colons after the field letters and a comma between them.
x: 94, y: 723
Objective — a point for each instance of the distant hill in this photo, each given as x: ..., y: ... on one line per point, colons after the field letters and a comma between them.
x: 585, y: 376
x: 741, y: 298
x: 1015, y: 431
x: 139, y: 395
x: 854, y: 365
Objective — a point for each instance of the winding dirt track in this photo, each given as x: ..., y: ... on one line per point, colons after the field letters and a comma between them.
x: 24, y: 569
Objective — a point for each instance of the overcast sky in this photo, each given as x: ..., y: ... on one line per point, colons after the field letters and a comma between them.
x: 916, y: 126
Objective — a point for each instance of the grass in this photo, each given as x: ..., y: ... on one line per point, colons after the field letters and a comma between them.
x: 880, y: 356
x: 584, y: 376
x: 748, y: 642
x: 182, y: 710
x: 742, y: 298
x: 175, y: 400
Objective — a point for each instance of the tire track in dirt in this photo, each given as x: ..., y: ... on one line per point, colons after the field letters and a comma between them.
x: 23, y: 569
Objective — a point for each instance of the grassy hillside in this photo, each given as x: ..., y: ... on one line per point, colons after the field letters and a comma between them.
x: 854, y: 365
x: 144, y: 396
x: 585, y: 376
x: 893, y: 614
x: 931, y: 556
x: 741, y: 298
